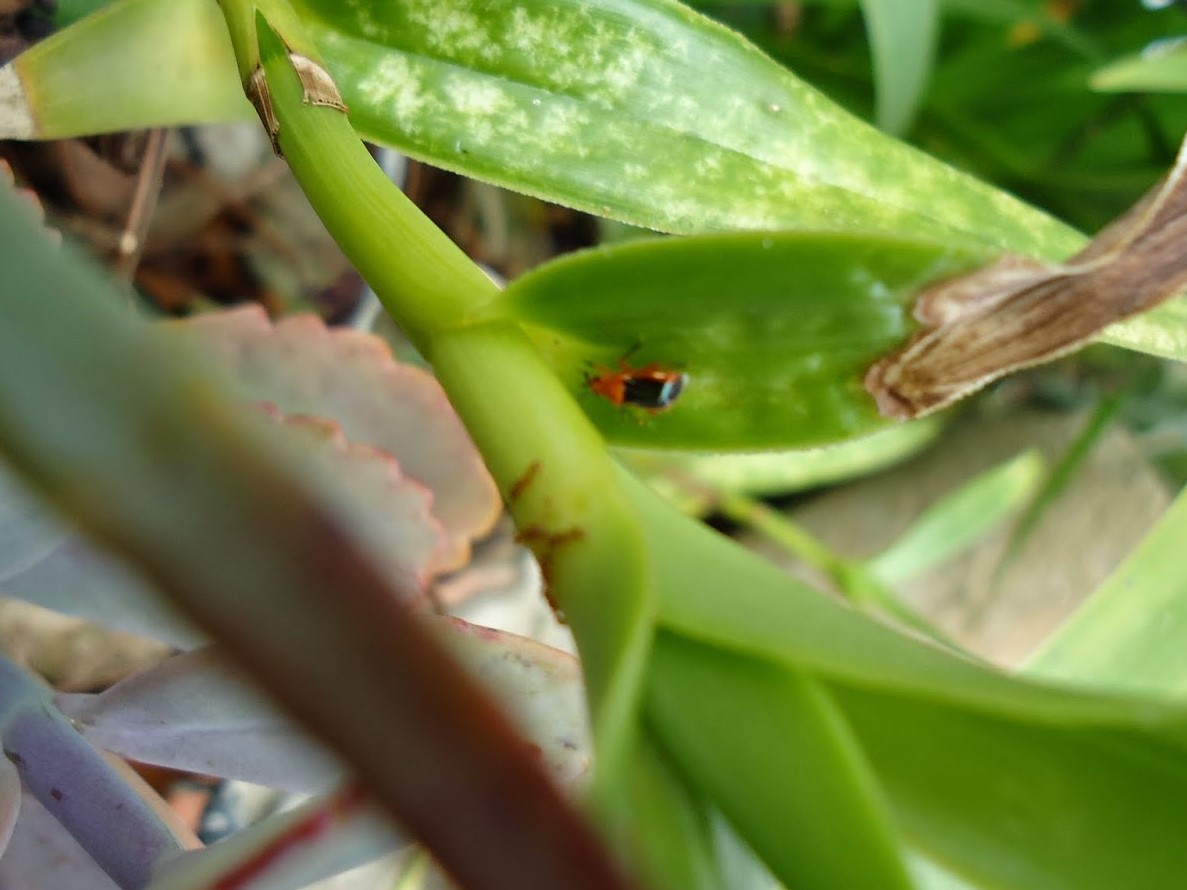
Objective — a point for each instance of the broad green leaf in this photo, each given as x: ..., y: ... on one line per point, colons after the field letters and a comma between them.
x: 686, y: 128
x: 1164, y: 71
x: 959, y: 519
x: 1130, y: 633
x: 903, y: 43
x: 774, y: 331
x: 770, y: 748
x: 136, y: 63
x: 644, y: 111
x: 713, y: 591
x: 1024, y: 806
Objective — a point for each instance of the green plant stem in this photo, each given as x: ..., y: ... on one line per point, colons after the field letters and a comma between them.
x: 549, y: 462
x: 563, y: 491
x: 424, y: 280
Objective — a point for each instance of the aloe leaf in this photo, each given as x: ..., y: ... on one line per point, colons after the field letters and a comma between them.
x: 768, y: 746
x: 1129, y: 633
x: 903, y: 44
x: 775, y: 332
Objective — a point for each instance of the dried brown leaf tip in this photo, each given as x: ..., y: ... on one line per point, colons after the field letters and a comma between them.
x: 1019, y: 312
x: 261, y: 99
x: 317, y: 88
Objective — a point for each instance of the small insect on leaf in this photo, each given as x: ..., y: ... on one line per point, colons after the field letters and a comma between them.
x: 1019, y: 312
x: 650, y: 387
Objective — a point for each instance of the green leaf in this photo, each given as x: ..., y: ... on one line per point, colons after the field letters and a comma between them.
x: 715, y: 592
x: 769, y: 747
x: 1026, y: 807
x: 774, y: 331
x: 1164, y: 71
x: 778, y: 472
x: 903, y: 43
x: 644, y: 111
x: 686, y: 128
x: 135, y: 63
x: 1129, y: 634
x: 959, y: 519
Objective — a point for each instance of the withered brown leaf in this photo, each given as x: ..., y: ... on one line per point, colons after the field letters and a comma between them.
x: 1019, y: 312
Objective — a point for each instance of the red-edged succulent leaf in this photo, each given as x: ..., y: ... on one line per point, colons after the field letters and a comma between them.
x: 198, y: 712
x: 319, y: 839
x: 390, y: 514
x: 76, y: 579
x: 540, y: 687
x: 27, y: 532
x: 351, y: 377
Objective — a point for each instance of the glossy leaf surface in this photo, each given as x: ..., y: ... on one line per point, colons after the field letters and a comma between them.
x: 774, y: 332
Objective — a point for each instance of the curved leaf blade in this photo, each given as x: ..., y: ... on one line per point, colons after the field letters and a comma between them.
x: 645, y: 111
x: 793, y: 781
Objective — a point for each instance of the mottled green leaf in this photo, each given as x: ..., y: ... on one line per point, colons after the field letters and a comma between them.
x: 645, y: 111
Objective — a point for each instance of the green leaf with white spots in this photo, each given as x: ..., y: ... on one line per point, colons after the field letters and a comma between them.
x: 646, y: 111
x: 774, y: 332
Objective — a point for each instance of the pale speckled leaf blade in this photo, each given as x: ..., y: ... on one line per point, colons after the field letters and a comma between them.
x: 645, y: 111
x: 902, y: 36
